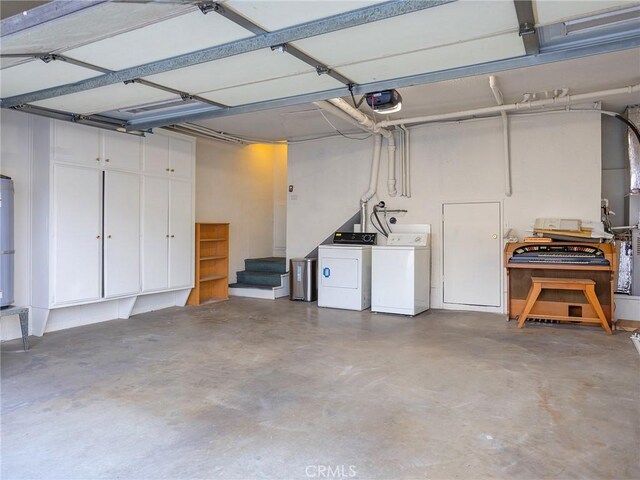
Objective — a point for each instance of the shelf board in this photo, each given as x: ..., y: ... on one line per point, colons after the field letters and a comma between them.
x: 212, y: 239
x: 212, y: 277
x: 213, y: 257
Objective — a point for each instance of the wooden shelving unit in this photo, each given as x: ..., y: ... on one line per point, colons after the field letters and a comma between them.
x: 212, y: 263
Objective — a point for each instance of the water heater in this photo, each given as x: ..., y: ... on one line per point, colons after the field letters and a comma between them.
x: 7, y: 251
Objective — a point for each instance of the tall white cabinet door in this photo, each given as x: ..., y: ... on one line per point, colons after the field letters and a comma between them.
x: 181, y: 229
x: 472, y: 253
x: 155, y: 233
x: 76, y: 144
x: 77, y: 234
x: 121, y: 234
x: 181, y: 157
x: 121, y: 151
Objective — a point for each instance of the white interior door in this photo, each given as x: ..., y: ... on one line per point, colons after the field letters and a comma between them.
x: 121, y: 234
x: 181, y: 229
x: 77, y: 234
x: 155, y: 231
x: 472, y: 253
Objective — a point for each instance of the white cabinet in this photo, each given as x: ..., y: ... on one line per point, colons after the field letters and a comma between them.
x: 167, y: 234
x: 76, y: 234
x: 120, y: 151
x: 168, y: 156
x: 102, y: 230
x: 121, y: 234
x: 181, y: 154
x: 181, y: 233
x: 90, y: 146
x: 155, y: 234
x: 75, y: 144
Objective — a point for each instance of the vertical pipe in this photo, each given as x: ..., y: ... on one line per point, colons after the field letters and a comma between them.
x: 507, y: 154
x: 373, y: 182
x: 391, y: 178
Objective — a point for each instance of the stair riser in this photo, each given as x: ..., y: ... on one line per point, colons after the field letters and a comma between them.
x: 271, y: 267
x: 257, y: 278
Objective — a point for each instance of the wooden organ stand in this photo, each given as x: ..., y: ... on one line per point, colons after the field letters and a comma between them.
x: 564, y: 260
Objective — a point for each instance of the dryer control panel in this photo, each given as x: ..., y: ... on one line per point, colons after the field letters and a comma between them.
x: 408, y: 239
x: 354, y: 238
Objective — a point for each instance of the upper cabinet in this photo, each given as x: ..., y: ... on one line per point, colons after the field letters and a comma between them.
x: 75, y: 144
x: 93, y: 147
x: 120, y: 151
x: 168, y: 156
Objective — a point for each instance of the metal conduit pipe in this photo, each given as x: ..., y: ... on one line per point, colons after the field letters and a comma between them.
x: 373, y: 182
x: 547, y: 102
x: 391, y: 178
x: 371, y: 126
x: 407, y: 164
x: 403, y: 182
x: 493, y: 84
x: 333, y: 110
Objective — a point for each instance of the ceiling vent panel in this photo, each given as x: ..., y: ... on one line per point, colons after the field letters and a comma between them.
x: 442, y: 25
x: 276, y: 15
x: 89, y: 25
x: 288, y: 86
x: 112, y: 97
x: 436, y: 59
x: 552, y: 11
x: 246, y: 68
x: 37, y: 75
x: 169, y: 38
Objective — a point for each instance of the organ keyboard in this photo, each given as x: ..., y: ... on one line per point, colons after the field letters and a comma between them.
x: 595, y: 261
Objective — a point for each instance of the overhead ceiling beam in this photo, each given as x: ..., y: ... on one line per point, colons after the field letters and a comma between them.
x: 527, y: 26
x: 421, y: 79
x: 279, y: 37
x: 98, y: 121
x: 244, y: 22
x: 43, y: 14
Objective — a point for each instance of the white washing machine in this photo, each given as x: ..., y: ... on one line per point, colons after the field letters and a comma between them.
x: 344, y: 276
x: 401, y: 274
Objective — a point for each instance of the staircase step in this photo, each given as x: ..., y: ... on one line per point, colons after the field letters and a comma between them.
x: 260, y: 278
x: 250, y: 285
x: 267, y: 264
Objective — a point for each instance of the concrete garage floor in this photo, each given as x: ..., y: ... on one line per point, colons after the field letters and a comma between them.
x: 258, y: 389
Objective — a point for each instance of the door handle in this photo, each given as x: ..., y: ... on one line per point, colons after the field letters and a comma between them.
x: 494, y: 236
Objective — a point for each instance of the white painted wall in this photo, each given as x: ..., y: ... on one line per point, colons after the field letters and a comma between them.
x: 236, y: 184
x: 556, y: 171
x: 16, y: 162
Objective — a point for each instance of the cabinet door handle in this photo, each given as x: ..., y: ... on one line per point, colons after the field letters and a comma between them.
x: 97, y: 159
x: 172, y: 236
x: 172, y: 170
x: 167, y: 169
x: 108, y: 236
x: 167, y: 236
x: 106, y: 160
x: 97, y: 237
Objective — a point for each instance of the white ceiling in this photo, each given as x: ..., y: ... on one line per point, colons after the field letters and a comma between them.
x: 119, y: 35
